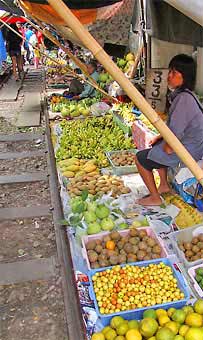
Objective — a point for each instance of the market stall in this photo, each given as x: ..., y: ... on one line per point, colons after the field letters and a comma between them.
x: 138, y: 270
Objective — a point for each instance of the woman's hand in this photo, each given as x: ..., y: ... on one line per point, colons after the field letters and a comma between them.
x: 167, y: 149
x: 154, y: 140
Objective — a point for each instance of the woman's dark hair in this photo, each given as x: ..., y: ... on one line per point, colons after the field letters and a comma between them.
x: 187, y: 67
x: 93, y: 63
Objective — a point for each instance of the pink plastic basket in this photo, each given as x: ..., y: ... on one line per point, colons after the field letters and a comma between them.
x: 125, y: 232
x: 141, y: 135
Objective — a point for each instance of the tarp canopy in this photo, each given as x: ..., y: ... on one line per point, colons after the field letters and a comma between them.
x: 192, y: 9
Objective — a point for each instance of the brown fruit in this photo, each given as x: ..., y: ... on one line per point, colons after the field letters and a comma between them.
x: 195, y: 240
x: 131, y: 258
x: 120, y: 244
x: 151, y: 242
x: 142, y: 233
x: 181, y: 246
x: 135, y: 249
x: 111, y: 253
x: 156, y: 250
x: 147, y: 258
x: 106, y: 238
x: 189, y: 253
x: 95, y: 265
x: 128, y: 248
x: 113, y: 259
x: 187, y: 245
x: 122, y: 252
x: 155, y: 256
x: 142, y: 246
x: 133, y: 240
x: 195, y: 249
x: 133, y: 232
x: 98, y: 241
x: 92, y: 256
x: 102, y: 257
x: 115, y: 235
x: 104, y: 263
x: 122, y: 258
x: 90, y: 245
x: 98, y: 248
x: 141, y: 254
x: 200, y: 237
x: 200, y: 245
x: 125, y: 239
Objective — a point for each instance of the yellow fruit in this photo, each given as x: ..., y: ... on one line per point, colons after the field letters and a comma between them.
x: 69, y: 174
x: 171, y: 311
x: 172, y: 325
x: 73, y: 168
x: 164, y: 334
x: 116, y: 321
x: 122, y: 329
x: 194, y: 320
x: 198, y: 306
x: 98, y: 336
x: 89, y: 168
x: 148, y: 327
x: 133, y: 334
x: 194, y: 334
x: 163, y: 319
x: 111, y: 334
x: 161, y: 312
x: 179, y: 316
x: 188, y: 309
x: 183, y: 330
x: 106, y: 329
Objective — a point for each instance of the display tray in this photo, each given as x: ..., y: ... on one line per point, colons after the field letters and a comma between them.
x: 138, y: 313
x: 121, y: 170
x: 186, y: 235
x: 123, y: 233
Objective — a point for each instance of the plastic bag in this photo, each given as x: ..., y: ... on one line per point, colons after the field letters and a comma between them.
x: 99, y: 109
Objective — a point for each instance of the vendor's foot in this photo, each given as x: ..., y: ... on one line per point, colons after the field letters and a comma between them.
x: 164, y: 189
x: 150, y: 200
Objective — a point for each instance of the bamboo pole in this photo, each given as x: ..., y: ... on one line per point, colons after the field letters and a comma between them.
x: 131, y: 91
x: 66, y: 67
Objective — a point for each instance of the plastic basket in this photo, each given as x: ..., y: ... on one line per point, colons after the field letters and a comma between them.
x: 122, y: 170
x: 121, y: 124
x: 185, y: 235
x: 192, y: 274
x: 138, y: 313
x: 149, y: 230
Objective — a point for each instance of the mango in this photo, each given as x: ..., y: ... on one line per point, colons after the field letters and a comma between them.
x: 69, y: 174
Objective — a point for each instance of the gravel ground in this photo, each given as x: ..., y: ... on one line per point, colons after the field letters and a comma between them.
x: 20, y: 166
x: 24, y: 146
x: 24, y: 195
x: 38, y: 239
x: 32, y: 310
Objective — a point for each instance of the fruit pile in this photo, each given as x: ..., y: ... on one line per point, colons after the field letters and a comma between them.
x: 123, y: 158
x: 97, y: 184
x: 114, y: 248
x: 74, y: 167
x: 174, y: 324
x: 131, y: 287
x: 188, y: 215
x: 91, y: 138
x: 199, y: 276
x: 125, y: 111
x: 193, y: 250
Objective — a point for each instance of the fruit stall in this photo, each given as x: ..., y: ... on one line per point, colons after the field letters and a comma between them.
x: 138, y: 270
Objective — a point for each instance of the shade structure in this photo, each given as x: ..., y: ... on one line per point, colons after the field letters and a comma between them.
x: 192, y: 9
x: 14, y: 19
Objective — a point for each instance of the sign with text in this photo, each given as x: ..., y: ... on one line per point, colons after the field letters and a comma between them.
x: 156, y: 88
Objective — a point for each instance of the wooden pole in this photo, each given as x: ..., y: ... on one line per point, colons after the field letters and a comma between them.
x: 131, y: 91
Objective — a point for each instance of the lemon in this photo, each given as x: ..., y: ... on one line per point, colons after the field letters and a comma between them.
x: 178, y: 337
x: 98, y: 336
x: 116, y: 321
x: 160, y: 312
x: 194, y: 334
x: 171, y: 311
x: 194, y: 320
x: 179, y: 316
x: 198, y: 306
x: 106, y: 329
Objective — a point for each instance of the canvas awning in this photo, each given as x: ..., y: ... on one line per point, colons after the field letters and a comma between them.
x: 192, y: 9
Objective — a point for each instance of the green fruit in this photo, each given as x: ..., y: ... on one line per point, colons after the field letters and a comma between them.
x: 194, y: 334
x: 150, y: 313
x: 93, y: 228
x: 122, y: 328
x: 106, y: 329
x: 133, y: 324
x: 116, y: 321
x: 198, y: 278
x: 199, y: 271
x: 178, y: 337
x: 165, y: 334
x: 198, y: 306
x: 179, y: 316
x: 107, y: 224
x: 123, y: 226
x: 102, y: 211
x: 90, y: 217
x: 188, y: 309
x: 110, y: 335
x: 148, y: 327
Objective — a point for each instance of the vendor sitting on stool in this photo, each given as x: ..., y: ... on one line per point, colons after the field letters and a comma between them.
x: 81, y: 91
x: 185, y: 121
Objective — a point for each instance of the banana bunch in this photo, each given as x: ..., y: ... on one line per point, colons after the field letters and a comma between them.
x: 91, y: 138
x: 188, y: 215
x: 74, y: 167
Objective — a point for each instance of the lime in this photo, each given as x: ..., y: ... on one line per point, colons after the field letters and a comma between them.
x: 150, y: 313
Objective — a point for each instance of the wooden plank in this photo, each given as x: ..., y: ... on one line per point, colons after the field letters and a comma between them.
x: 10, y: 91
x: 25, y: 154
x: 24, y: 212
x: 18, y: 137
x: 22, y: 271
x: 30, y: 113
x: 31, y: 177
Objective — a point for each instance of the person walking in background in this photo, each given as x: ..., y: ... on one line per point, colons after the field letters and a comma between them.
x: 41, y: 45
x: 13, y: 42
x: 28, y: 34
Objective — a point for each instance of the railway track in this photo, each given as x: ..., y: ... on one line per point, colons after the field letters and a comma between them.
x: 38, y: 297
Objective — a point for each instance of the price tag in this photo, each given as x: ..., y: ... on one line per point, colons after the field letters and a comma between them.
x: 156, y: 88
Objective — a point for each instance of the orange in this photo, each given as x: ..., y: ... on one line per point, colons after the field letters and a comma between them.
x: 110, y: 245
x: 194, y: 320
